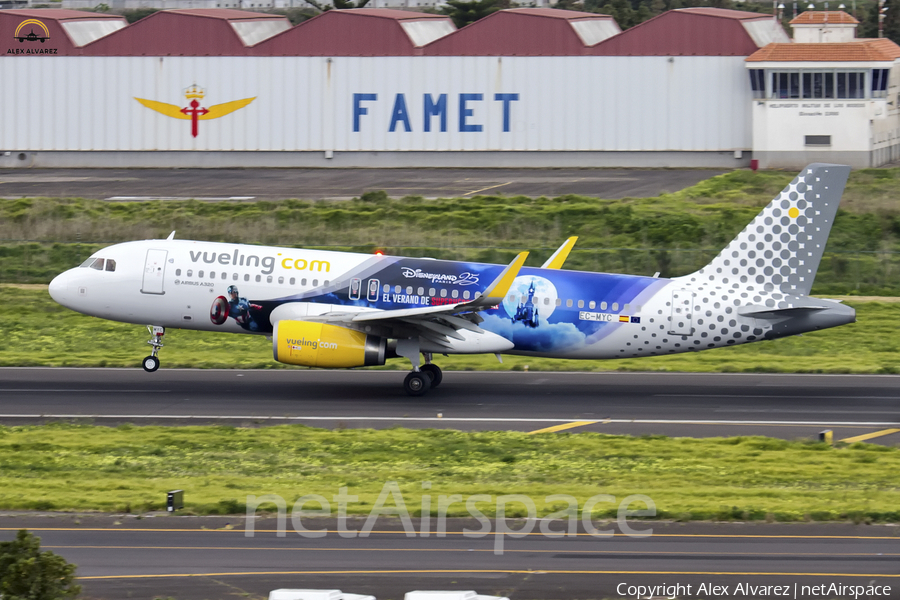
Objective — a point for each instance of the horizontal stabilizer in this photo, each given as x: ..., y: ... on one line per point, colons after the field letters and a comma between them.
x: 758, y: 311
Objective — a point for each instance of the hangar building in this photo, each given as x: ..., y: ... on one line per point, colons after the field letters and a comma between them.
x: 381, y: 87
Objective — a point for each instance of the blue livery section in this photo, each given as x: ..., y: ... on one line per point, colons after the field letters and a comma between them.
x: 545, y: 311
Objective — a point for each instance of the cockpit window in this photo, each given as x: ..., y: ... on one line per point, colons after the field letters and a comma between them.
x: 98, y: 264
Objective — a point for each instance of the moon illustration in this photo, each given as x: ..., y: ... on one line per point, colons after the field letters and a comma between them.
x: 543, y: 289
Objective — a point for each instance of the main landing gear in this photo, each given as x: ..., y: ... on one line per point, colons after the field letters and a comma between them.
x: 423, y: 378
x: 151, y: 363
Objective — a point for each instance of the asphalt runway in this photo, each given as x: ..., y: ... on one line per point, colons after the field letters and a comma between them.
x: 202, y: 557
x: 314, y: 184
x: 855, y: 408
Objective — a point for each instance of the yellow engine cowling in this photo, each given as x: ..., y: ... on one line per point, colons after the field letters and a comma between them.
x: 323, y: 345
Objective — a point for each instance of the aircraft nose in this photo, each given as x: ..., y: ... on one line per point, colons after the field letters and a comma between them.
x: 59, y: 288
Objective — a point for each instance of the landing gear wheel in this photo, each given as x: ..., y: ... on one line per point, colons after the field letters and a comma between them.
x: 150, y: 364
x: 417, y: 383
x: 434, y: 372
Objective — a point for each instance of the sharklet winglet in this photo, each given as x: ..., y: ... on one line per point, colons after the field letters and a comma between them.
x: 559, y: 257
x: 500, y: 286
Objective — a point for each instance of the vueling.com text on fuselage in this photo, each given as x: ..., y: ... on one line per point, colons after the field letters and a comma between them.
x: 266, y: 263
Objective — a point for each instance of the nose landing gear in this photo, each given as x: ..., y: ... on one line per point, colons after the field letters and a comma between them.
x: 151, y: 363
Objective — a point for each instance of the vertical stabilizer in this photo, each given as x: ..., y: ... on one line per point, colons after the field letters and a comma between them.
x: 780, y: 250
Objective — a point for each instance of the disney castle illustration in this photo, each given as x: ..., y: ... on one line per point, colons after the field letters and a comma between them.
x: 527, y: 312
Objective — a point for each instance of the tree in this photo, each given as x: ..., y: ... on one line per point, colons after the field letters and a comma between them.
x: 26, y: 573
x: 339, y: 4
x: 464, y: 12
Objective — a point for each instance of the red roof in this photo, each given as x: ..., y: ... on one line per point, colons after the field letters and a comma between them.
x: 359, y: 32
x: 66, y: 30
x: 873, y: 50
x: 190, y: 32
x: 527, y: 32
x: 686, y: 32
x: 821, y: 17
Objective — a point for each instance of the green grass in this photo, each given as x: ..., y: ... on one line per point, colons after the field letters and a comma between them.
x: 673, y: 233
x: 39, y: 332
x: 84, y: 467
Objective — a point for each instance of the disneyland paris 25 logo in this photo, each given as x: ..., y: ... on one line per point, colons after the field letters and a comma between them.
x: 461, y: 279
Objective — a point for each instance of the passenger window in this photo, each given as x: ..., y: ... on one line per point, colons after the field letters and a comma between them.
x: 303, y: 281
x: 397, y: 289
x: 627, y: 308
x: 269, y: 279
x: 97, y: 264
x: 592, y: 304
x: 409, y: 289
x: 421, y: 291
x: 258, y: 278
x: 569, y: 303
x: 246, y: 276
x: 443, y: 293
x: 466, y: 295
x: 178, y: 272
x: 454, y: 294
x: 547, y: 301
x: 200, y: 274
x: 235, y: 277
x: 512, y: 297
x: 387, y: 287
x: 615, y: 306
x: 432, y: 292
x: 190, y: 273
x: 224, y: 275
x: 110, y: 265
x: 581, y: 304
x: 293, y: 280
x: 281, y: 280
x: 325, y: 282
x: 603, y: 306
x: 559, y: 301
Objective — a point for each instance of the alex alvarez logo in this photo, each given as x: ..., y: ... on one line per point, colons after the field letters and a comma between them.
x: 32, y: 36
x: 194, y: 112
x: 41, y: 35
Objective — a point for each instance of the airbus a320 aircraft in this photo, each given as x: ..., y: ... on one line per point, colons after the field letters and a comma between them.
x: 344, y: 310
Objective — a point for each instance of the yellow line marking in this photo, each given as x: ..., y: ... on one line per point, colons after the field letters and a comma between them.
x: 462, y: 533
x: 869, y: 436
x: 562, y: 427
x: 501, y: 571
x: 487, y: 188
x: 598, y: 552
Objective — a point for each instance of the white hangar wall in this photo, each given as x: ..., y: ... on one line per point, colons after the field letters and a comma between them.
x: 316, y: 111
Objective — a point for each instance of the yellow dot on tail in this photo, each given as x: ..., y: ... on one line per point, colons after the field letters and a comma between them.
x: 793, y: 212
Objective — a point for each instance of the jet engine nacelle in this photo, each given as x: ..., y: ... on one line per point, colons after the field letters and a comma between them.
x: 322, y: 345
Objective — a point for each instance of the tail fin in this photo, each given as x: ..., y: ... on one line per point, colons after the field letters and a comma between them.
x: 782, y: 247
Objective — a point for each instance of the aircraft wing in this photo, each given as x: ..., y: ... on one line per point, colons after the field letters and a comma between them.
x: 559, y: 257
x: 436, y: 323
